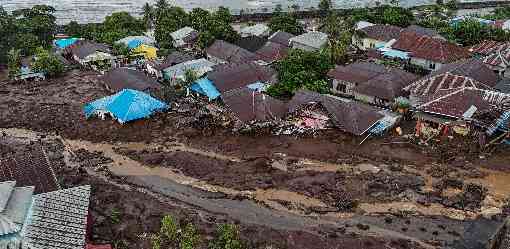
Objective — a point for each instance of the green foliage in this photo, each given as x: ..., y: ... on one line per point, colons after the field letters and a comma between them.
x: 169, y: 228
x: 156, y: 241
x: 301, y: 69
x: 189, y: 238
x: 190, y: 76
x: 205, y: 39
x: 223, y: 15
x: 286, y: 22
x: 28, y: 43
x: 471, y: 32
x: 115, y: 216
x: 228, y: 238
x: 499, y: 14
x: 325, y: 6
x: 200, y: 19
x: 278, y: 8
x: 73, y: 29
x: 121, y: 49
x: 38, y: 21
x: 169, y: 21
x: 385, y: 14
x: 14, y: 62
x: 148, y: 15
x: 123, y: 21
x: 161, y: 6
x: 47, y: 63
x: 7, y: 32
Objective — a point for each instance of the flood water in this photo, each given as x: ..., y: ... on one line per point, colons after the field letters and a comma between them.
x: 95, y: 10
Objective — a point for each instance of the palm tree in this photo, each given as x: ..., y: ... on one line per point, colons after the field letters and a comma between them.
x: 148, y: 15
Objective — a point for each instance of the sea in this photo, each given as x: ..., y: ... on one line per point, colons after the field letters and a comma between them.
x: 86, y: 11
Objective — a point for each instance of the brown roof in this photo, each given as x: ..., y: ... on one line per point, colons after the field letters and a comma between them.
x: 125, y: 78
x: 29, y: 167
x: 382, y: 32
x: 248, y: 105
x: 351, y: 117
x: 456, y: 103
x: 467, y: 73
x: 433, y: 49
x: 419, y: 30
x: 272, y: 52
x: 281, y: 37
x: 84, y: 48
x: 229, y: 52
x: 251, y: 43
x: 174, y: 59
x: 357, y: 72
x: 232, y: 76
x: 388, y: 85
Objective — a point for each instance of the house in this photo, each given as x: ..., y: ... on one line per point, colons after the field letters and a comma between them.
x: 349, y: 116
x: 29, y: 166
x: 372, y: 35
x: 251, y: 43
x: 369, y: 82
x: 496, y: 55
x: 260, y: 30
x: 156, y: 68
x: 125, y: 106
x: 422, y: 31
x: 250, y: 106
x: 205, y: 87
x: 311, y: 41
x: 427, y: 52
x: 222, y: 52
x: 272, y: 52
x: 26, y: 72
x: 455, y: 109
x: 470, y: 73
x: 230, y: 77
x: 133, y: 42
x: 281, y: 37
x: 57, y: 219
x: 147, y: 52
x: 184, y: 37
x: 362, y: 24
x: 124, y: 78
x: 177, y: 72
x: 89, y: 53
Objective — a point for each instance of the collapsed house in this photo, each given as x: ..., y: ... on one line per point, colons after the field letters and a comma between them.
x: 259, y: 29
x: 156, y: 68
x: 177, y: 73
x: 184, y: 38
x: 370, y: 35
x: 90, y: 54
x: 124, y: 78
x: 496, y: 55
x: 56, y: 220
x: 27, y: 72
x: 230, y: 77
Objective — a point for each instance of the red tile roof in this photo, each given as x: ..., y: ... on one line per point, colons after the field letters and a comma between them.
x: 357, y: 72
x: 499, y: 58
x: 457, y: 103
x: 429, y: 48
x: 271, y: 52
x: 467, y: 73
x: 488, y: 47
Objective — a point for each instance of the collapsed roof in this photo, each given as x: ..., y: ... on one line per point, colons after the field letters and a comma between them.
x: 248, y: 105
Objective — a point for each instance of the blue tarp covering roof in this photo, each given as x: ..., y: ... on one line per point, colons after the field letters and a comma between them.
x: 64, y: 43
x: 206, y: 87
x: 125, y: 106
x: 134, y: 43
x: 257, y: 86
x: 392, y: 53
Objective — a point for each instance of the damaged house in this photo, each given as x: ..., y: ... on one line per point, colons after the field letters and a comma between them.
x: 124, y: 78
x: 310, y: 110
x: 371, y: 83
x: 90, y: 54
x: 496, y: 55
x: 369, y: 36
x: 231, y: 77
x: 156, y: 68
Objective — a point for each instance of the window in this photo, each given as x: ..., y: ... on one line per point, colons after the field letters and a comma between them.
x: 341, y: 88
x: 432, y: 66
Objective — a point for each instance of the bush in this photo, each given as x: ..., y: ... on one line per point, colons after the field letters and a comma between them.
x: 169, y: 228
x: 189, y: 238
x: 228, y: 238
x: 156, y: 241
x: 47, y: 63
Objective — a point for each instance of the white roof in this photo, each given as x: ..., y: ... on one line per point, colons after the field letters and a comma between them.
x: 363, y: 24
x: 312, y: 39
x: 256, y: 30
x: 182, y: 33
x: 144, y: 39
x: 200, y: 66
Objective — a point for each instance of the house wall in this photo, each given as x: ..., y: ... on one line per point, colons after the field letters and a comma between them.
x: 364, y: 43
x: 215, y: 60
x: 349, y: 87
x: 371, y: 100
x: 426, y: 64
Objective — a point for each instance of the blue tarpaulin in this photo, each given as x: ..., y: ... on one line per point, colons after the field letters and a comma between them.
x: 205, y: 87
x: 257, y: 86
x: 64, y: 43
x: 125, y: 106
x: 392, y: 53
x: 134, y: 44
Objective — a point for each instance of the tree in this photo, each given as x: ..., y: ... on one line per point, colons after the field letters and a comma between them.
x: 278, y: 9
x: 223, y: 15
x: 169, y: 21
x: 199, y: 19
x: 121, y: 49
x: 301, y: 69
x: 47, y: 63
x: 395, y: 16
x: 73, y: 29
x: 205, y: 39
x: 39, y: 21
x: 228, y: 238
x: 325, y: 6
x: 190, y: 76
x: 148, y: 15
x: 14, y: 62
x: 123, y: 22
x: 28, y: 43
x: 161, y: 6
x: 286, y: 22
x: 189, y: 238
x: 8, y: 34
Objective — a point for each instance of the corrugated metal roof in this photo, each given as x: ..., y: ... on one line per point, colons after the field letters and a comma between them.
x: 6, y: 189
x: 312, y: 39
x: 58, y: 219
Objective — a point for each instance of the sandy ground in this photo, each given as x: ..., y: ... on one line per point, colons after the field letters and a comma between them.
x: 409, y: 196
